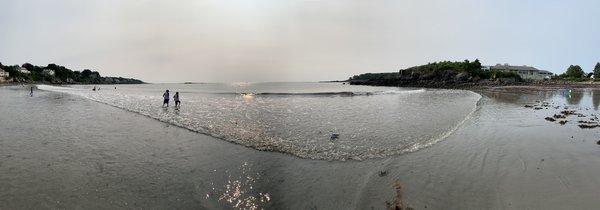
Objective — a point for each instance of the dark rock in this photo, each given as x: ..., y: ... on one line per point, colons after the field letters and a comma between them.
x: 334, y: 136
x: 563, y: 122
x: 383, y: 173
x: 559, y: 116
x: 584, y: 126
x: 568, y: 112
x: 550, y: 119
x: 461, y: 77
x: 586, y: 122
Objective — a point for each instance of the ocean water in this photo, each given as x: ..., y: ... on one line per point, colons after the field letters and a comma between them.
x: 300, y: 118
x: 59, y: 150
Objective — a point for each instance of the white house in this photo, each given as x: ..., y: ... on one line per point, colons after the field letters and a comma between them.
x: 526, y: 72
x: 4, y: 74
x: 23, y: 70
x: 48, y: 72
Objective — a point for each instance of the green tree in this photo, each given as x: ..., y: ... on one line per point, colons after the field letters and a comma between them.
x: 86, y: 73
x: 597, y: 71
x: 574, y: 71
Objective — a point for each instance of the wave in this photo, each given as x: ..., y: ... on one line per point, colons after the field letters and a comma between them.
x: 420, y: 145
x: 340, y: 93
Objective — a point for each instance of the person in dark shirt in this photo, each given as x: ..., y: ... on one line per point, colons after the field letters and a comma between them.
x: 166, y: 98
x: 176, y: 99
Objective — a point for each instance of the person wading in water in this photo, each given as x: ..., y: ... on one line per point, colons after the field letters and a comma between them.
x: 166, y: 97
x: 176, y: 99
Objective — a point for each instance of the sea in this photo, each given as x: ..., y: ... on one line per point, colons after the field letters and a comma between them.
x: 298, y: 146
x: 327, y: 121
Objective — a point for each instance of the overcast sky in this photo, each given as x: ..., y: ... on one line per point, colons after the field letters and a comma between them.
x: 285, y: 40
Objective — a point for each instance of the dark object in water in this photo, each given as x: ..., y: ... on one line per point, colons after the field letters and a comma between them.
x: 559, y: 116
x: 598, y: 143
x: 585, y: 122
x: 528, y: 106
x: 383, y: 173
x: 584, y: 126
x: 563, y: 122
x: 537, y: 108
x: 334, y: 136
x: 550, y: 119
x: 568, y: 112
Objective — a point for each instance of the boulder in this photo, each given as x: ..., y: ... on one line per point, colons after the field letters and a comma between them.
x: 461, y: 77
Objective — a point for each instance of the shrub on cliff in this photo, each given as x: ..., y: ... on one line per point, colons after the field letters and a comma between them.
x: 473, y: 68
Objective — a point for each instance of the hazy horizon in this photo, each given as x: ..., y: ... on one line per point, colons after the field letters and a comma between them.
x: 272, y: 41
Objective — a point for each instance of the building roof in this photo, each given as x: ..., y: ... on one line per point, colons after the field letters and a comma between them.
x: 509, y: 67
x: 518, y: 68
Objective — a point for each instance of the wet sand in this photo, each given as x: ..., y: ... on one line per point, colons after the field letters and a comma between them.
x: 62, y: 151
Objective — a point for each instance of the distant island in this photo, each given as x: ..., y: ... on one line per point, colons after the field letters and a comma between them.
x: 466, y: 74
x: 56, y: 74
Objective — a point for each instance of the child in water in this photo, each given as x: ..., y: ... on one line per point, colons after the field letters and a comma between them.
x: 166, y: 97
x: 176, y: 99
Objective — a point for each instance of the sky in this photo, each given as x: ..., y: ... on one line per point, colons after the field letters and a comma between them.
x: 293, y: 40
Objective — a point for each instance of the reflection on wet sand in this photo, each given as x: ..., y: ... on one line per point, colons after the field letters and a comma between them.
x: 595, y: 98
x: 239, y: 191
x: 571, y: 105
x: 517, y: 97
x: 574, y: 97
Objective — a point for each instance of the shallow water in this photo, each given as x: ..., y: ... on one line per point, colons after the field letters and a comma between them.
x: 63, y: 151
x: 300, y: 118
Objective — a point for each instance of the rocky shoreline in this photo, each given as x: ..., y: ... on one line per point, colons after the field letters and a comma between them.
x: 470, y: 83
x: 462, y: 75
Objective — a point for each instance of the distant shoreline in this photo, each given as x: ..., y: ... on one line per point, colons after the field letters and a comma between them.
x: 59, y: 75
x: 41, y: 83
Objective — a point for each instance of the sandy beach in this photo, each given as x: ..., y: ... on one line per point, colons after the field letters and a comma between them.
x: 64, y: 151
